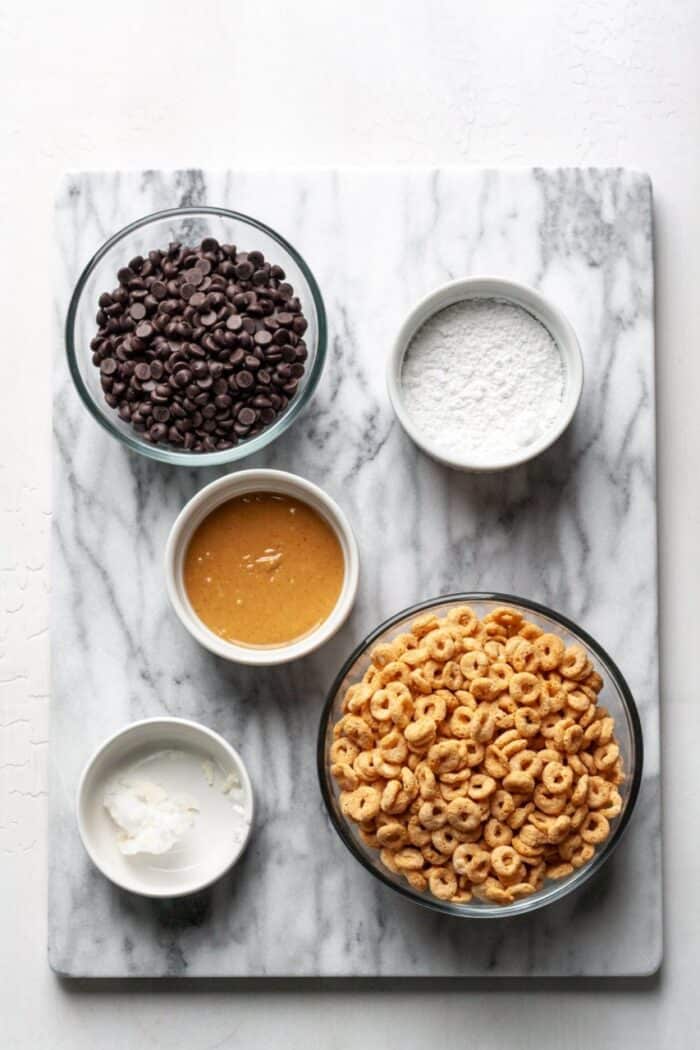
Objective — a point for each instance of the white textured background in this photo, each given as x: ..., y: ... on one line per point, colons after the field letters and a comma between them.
x: 171, y: 84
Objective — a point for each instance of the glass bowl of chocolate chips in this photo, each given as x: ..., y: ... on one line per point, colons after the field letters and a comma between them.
x: 196, y: 335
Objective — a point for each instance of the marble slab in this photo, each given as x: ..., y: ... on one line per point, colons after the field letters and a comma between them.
x: 576, y: 529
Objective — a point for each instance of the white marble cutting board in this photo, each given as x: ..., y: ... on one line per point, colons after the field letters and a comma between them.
x: 576, y: 529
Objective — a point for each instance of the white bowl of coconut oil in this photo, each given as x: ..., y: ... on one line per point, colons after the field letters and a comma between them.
x: 485, y: 374
x: 165, y: 807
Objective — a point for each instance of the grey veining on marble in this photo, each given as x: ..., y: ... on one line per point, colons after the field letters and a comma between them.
x: 576, y: 529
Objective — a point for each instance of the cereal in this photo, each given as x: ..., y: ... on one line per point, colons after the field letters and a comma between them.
x: 427, y: 781
x: 613, y: 807
x: 433, y: 814
x: 344, y: 751
x: 442, y: 883
x: 505, y: 860
x: 574, y: 662
x: 519, y: 783
x: 431, y: 706
x: 479, y: 867
x: 557, y: 778
x: 525, y: 688
x: 420, y: 734
x: 475, y: 757
x: 527, y: 722
x: 502, y: 804
x: 497, y: 834
x: 424, y: 625
x: 345, y: 776
x: 484, y: 689
x: 362, y: 803
x: 481, y: 786
x: 474, y: 664
x: 393, y: 835
x: 415, y: 879
x: 393, y: 747
x: 461, y: 722
x: 409, y: 858
x: 550, y: 650
x: 595, y: 827
x: 495, y: 763
x: 445, y: 840
x: 464, y: 814
x: 440, y: 645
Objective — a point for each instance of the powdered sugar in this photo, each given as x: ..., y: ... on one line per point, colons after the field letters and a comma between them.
x: 483, y: 379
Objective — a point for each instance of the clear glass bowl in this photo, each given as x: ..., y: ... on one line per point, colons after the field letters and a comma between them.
x: 189, y: 225
x: 615, y: 695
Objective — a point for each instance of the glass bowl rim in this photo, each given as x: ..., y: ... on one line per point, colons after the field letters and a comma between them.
x: 526, y: 905
x: 199, y: 459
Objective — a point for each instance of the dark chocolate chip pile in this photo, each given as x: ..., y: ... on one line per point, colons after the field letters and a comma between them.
x: 200, y: 348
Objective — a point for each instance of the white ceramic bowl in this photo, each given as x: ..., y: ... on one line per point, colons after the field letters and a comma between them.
x: 504, y: 290
x: 208, y: 850
x: 226, y: 488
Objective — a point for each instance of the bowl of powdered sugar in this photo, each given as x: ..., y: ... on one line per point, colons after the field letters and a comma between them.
x: 485, y: 374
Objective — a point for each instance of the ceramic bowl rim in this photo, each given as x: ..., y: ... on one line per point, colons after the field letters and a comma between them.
x: 227, y: 487
x: 196, y: 729
x: 501, y: 289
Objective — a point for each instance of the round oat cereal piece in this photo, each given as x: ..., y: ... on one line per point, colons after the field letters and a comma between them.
x: 464, y: 814
x: 362, y: 804
x: 557, y: 778
x: 479, y: 867
x: 595, y: 828
x: 443, y: 883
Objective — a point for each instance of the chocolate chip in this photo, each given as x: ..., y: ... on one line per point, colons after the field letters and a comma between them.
x: 247, y: 416
x: 244, y: 379
x: 182, y: 377
x: 244, y: 271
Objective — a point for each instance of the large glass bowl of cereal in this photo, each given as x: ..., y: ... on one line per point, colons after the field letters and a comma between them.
x: 480, y: 754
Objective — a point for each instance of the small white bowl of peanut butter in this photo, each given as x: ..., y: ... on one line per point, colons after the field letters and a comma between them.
x: 261, y: 567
